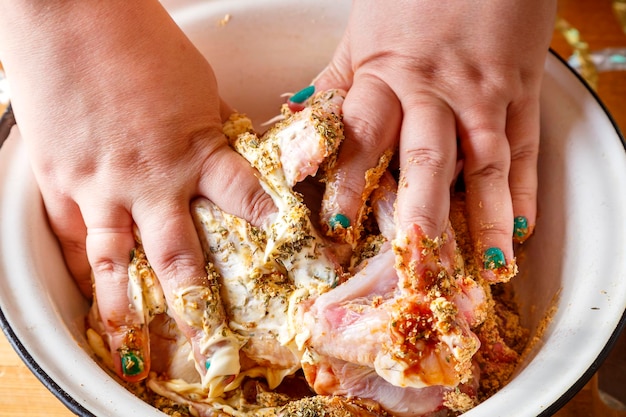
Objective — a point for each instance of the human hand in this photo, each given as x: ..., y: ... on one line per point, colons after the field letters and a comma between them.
x: 437, y: 82
x: 121, y: 117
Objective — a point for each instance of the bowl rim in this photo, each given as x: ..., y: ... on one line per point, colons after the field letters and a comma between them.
x: 41, y: 375
x: 7, y: 121
x: 621, y: 326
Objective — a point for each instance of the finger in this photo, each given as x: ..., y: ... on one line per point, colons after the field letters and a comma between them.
x: 486, y: 174
x: 67, y: 224
x: 173, y: 248
x: 338, y: 73
x: 109, y: 249
x: 427, y: 161
x: 232, y: 184
x: 523, y: 134
x: 371, y: 116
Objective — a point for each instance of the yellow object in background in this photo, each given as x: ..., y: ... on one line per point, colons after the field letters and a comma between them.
x: 619, y: 8
x: 590, y: 62
x: 586, y: 66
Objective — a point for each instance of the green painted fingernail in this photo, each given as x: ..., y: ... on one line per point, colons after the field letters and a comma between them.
x: 303, y: 94
x: 338, y: 220
x: 494, y: 258
x: 520, y: 227
x: 132, y: 364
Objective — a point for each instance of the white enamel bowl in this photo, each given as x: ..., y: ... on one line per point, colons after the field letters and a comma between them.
x: 576, y: 261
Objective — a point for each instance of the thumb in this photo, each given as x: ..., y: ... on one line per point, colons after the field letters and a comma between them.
x: 338, y: 73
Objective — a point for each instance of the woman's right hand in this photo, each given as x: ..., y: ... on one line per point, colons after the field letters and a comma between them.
x: 122, y: 121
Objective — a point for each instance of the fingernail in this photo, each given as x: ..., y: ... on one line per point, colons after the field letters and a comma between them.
x: 337, y: 220
x: 134, y: 358
x: 493, y: 258
x: 302, y: 95
x: 132, y: 363
x: 520, y: 227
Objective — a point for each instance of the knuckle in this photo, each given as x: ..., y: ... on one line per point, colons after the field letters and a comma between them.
x: 114, y: 271
x: 431, y: 221
x: 257, y: 206
x: 176, y: 264
x: 427, y: 157
x: 526, y: 153
x: 372, y: 128
x: 431, y: 227
x: 490, y: 171
x: 108, y: 250
x: 364, y: 130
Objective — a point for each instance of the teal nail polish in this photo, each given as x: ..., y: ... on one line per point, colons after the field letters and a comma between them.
x: 132, y: 364
x: 617, y: 59
x: 494, y: 258
x: 303, y: 94
x: 207, y: 365
x: 338, y: 220
x: 520, y: 227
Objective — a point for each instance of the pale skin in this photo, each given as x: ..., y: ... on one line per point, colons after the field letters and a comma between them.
x: 121, y: 116
x: 422, y: 73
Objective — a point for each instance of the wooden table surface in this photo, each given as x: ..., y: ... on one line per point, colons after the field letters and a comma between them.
x: 21, y: 393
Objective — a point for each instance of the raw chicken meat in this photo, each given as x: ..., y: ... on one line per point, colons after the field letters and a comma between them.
x: 381, y: 324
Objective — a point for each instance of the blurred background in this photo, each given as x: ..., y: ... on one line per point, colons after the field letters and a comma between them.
x: 591, y: 35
